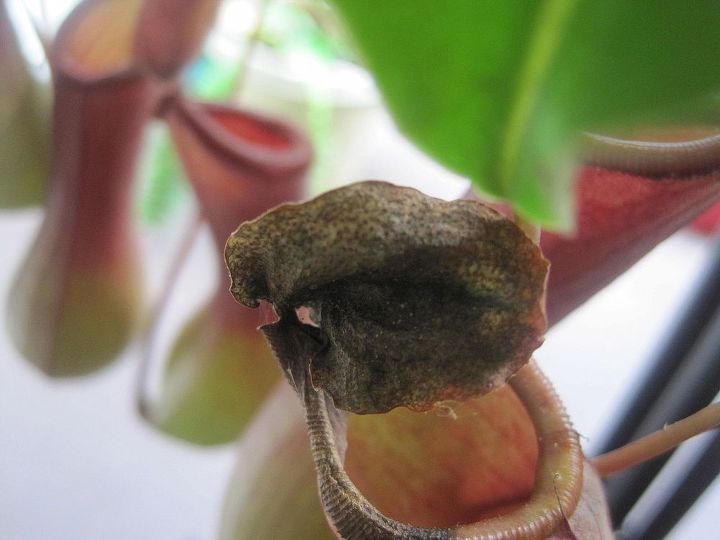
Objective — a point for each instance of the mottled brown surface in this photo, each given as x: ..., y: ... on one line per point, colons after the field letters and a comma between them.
x: 418, y: 300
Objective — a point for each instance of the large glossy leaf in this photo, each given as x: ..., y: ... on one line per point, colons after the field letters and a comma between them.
x: 499, y: 91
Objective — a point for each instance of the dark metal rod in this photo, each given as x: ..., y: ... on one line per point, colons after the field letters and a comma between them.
x: 703, y: 302
x: 695, y: 383
x: 687, y: 490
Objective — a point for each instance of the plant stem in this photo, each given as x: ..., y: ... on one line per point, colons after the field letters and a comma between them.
x: 252, y: 41
x: 658, y: 442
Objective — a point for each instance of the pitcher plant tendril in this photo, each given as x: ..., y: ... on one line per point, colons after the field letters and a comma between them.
x: 658, y: 442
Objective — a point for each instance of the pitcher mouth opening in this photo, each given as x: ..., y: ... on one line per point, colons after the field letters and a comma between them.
x: 390, y: 494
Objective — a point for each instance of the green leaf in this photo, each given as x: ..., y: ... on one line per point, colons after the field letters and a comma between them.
x: 499, y: 91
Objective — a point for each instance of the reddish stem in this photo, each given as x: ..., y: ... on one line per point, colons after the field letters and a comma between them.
x: 659, y: 442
